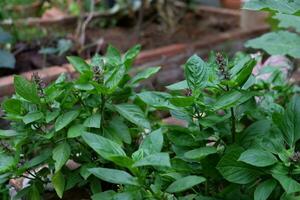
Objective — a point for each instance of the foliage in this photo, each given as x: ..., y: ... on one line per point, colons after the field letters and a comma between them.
x: 7, y: 59
x: 241, y: 140
x: 285, y: 15
x: 63, y: 46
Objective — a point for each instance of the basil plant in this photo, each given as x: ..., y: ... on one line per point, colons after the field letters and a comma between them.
x: 238, y: 136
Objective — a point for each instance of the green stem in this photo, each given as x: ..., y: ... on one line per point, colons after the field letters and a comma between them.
x: 102, y: 108
x: 198, y: 116
x: 233, y: 130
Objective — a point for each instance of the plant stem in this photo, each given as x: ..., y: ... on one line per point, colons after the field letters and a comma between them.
x: 103, y: 100
x: 36, y: 176
x: 198, y: 116
x: 233, y: 131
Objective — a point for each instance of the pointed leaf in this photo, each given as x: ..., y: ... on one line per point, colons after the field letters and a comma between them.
x: 60, y: 155
x: 65, y: 119
x: 76, y: 130
x: 157, y: 159
x: 145, y: 74
x: 196, y: 72
x: 26, y: 89
x: 289, y: 185
x: 134, y: 114
x: 258, y: 158
x: 6, y: 162
x: 182, y: 85
x: 264, y: 189
x: 153, y: 142
x: 79, y: 64
x: 236, y: 171
x: 32, y: 117
x: 114, y: 176
x: 200, y: 153
x: 131, y: 54
x: 93, y: 121
x: 185, y: 183
x: 156, y: 99
x: 103, y: 146
x: 121, y: 129
x: 58, y: 182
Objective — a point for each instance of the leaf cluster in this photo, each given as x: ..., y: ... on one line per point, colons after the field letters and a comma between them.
x: 241, y: 139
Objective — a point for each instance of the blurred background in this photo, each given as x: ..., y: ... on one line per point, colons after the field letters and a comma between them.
x: 36, y: 34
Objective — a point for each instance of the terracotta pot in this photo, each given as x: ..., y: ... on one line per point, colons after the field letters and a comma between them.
x: 231, y: 4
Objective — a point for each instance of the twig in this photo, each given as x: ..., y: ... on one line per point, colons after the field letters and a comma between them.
x: 86, y: 22
x: 140, y: 19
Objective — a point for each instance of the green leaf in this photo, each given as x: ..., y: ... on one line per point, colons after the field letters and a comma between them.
x: 231, y: 99
x: 93, y: 121
x: 283, y: 6
x: 121, y: 129
x: 181, y: 137
x: 157, y: 159
x: 200, y: 153
x: 58, y: 182
x: 7, y: 59
x: 60, y: 155
x: 264, y: 189
x: 289, y: 185
x: 156, y: 99
x: 84, y: 86
x: 65, y: 119
x: 8, y: 133
x: 288, y: 21
x: 51, y: 115
x: 145, y: 74
x: 153, y: 142
x: 34, y: 193
x: 182, y: 85
x: 43, y: 156
x: 131, y: 54
x: 84, y: 170
x: 245, y: 73
x: 182, y: 101
x: 196, y: 73
x: 255, y: 131
x: 112, y: 79
x: 122, y: 161
x: 97, y: 61
x: 289, y: 122
x: 277, y: 43
x: 79, y: 64
x: 113, y: 53
x: 235, y: 171
x: 185, y: 183
x: 26, y: 89
x: 76, y: 130
x: 103, y: 146
x: 32, y: 117
x: 12, y: 106
x: 258, y: 158
x: 6, y: 162
x: 114, y: 176
x: 133, y: 114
